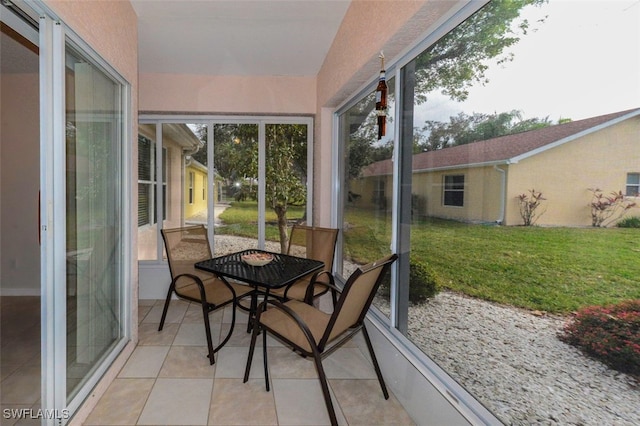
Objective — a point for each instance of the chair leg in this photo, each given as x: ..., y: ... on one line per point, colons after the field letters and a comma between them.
x: 252, y: 347
x: 252, y: 310
x: 207, y: 331
x: 325, y: 388
x: 264, y: 357
x: 233, y: 323
x: 166, y: 306
x: 375, y: 362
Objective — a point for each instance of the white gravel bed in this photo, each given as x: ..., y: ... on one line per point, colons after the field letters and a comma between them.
x: 511, y: 360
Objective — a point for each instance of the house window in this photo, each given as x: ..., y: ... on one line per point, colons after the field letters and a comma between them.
x: 147, y: 180
x: 204, y: 188
x: 633, y: 184
x: 192, y: 178
x: 453, y: 190
x: 145, y: 185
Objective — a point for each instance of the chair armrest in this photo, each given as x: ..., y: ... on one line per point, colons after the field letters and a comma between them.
x: 294, y: 316
x: 200, y: 284
x: 308, y: 296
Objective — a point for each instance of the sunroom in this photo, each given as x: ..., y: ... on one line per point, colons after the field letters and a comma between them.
x: 154, y: 115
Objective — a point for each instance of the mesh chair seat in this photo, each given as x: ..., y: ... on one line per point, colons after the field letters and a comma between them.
x: 281, y: 324
x: 217, y: 293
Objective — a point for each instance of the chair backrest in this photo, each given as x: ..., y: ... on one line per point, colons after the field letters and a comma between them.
x: 186, y: 246
x: 313, y: 242
x: 356, y: 298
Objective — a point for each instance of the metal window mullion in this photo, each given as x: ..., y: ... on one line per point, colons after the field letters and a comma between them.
x: 262, y: 182
x: 159, y: 198
x: 309, y: 177
x: 337, y: 171
x: 405, y: 84
x: 211, y: 196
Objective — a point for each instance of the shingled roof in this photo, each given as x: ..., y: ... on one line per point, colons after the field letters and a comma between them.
x: 504, y: 149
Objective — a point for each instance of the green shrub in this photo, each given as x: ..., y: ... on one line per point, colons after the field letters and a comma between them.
x: 424, y: 282
x: 610, y: 334
x: 629, y: 222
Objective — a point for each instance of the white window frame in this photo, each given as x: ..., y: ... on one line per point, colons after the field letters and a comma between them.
x: 631, y: 186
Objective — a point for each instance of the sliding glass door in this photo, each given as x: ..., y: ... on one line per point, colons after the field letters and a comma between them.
x: 93, y: 217
x: 84, y: 132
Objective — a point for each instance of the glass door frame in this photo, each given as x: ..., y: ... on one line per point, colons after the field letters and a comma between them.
x: 54, y: 39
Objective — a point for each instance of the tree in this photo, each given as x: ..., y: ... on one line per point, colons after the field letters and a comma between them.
x: 236, y: 155
x: 463, y: 129
x: 459, y: 59
x: 286, y: 172
x: 452, y: 65
x: 236, y: 161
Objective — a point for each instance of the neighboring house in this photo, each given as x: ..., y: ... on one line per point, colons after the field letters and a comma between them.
x: 195, y: 189
x: 480, y: 182
x: 178, y: 142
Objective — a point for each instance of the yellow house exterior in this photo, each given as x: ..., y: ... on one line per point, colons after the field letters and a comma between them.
x: 195, y: 188
x: 563, y: 162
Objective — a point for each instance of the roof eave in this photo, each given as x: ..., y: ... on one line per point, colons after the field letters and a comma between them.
x: 465, y: 166
x: 575, y: 136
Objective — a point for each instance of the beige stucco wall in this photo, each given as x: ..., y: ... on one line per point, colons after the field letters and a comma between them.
x: 110, y: 27
x: 481, y: 195
x: 367, y: 192
x: 564, y: 174
x: 212, y: 94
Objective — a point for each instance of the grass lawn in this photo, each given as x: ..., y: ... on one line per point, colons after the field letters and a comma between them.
x: 551, y: 269
x: 556, y: 270
x: 241, y: 219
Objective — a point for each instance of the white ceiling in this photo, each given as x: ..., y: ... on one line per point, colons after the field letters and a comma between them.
x: 236, y: 37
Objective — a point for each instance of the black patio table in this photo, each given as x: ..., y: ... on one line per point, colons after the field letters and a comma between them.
x: 280, y: 272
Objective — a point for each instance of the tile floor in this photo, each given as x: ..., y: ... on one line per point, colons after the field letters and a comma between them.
x: 19, y: 357
x: 168, y: 380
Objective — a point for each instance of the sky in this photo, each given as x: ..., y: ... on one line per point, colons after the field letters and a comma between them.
x: 583, y: 61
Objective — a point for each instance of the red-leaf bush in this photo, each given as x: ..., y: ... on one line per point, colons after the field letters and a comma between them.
x: 610, y: 334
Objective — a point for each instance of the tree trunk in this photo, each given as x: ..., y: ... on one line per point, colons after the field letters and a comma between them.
x: 281, y: 212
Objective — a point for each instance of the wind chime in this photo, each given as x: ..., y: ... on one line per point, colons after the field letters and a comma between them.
x: 381, y: 100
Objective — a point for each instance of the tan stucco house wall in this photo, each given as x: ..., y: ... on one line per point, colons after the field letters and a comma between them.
x: 565, y: 173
